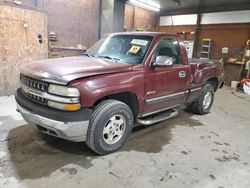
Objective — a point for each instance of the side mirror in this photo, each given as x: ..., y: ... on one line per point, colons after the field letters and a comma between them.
x: 163, y: 61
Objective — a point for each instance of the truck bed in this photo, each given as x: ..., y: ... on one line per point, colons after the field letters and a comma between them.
x: 198, y: 64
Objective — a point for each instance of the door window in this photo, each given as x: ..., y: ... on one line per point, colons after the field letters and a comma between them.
x: 168, y: 47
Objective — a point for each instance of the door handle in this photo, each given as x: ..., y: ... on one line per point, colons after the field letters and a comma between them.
x: 182, y: 74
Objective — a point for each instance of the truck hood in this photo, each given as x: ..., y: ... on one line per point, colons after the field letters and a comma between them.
x: 64, y: 70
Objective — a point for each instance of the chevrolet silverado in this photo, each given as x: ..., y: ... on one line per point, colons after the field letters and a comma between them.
x: 128, y: 77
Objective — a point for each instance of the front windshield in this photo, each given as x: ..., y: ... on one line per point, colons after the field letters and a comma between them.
x: 125, y: 48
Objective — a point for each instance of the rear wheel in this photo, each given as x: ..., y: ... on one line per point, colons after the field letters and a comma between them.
x: 203, y: 104
x: 110, y: 125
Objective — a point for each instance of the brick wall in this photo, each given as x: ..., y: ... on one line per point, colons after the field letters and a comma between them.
x: 233, y: 36
x: 74, y: 22
x: 136, y: 17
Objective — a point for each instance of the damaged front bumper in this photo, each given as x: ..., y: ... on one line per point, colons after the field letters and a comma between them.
x: 54, y: 122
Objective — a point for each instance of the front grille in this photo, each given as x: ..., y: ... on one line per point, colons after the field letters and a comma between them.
x: 36, y: 98
x: 36, y: 85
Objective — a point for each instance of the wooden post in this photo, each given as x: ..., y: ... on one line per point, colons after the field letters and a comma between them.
x: 197, y: 34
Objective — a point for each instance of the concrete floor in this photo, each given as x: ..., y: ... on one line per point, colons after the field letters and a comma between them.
x: 186, y: 151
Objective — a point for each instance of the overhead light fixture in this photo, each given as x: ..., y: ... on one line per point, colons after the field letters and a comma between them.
x: 147, y: 4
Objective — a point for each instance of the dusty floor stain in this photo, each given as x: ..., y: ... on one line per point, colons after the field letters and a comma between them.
x: 71, y: 171
x: 152, y: 138
x: 31, y: 151
x: 226, y: 158
x: 35, y: 155
x: 212, y: 176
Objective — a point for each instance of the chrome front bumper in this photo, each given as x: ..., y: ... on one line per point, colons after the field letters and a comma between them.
x: 73, y: 131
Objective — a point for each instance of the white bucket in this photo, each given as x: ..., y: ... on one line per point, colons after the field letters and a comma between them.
x: 234, y: 84
x: 246, y: 87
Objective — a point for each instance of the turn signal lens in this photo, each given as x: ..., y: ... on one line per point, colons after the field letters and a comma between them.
x: 66, y: 107
x: 72, y: 107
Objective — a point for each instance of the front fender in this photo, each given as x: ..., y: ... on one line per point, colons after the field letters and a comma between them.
x: 94, y: 88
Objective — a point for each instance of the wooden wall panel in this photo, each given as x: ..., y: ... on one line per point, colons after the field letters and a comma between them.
x: 75, y: 22
x: 19, y: 45
x: 26, y: 3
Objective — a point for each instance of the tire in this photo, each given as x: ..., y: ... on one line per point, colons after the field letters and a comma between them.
x: 110, y: 125
x: 203, y: 104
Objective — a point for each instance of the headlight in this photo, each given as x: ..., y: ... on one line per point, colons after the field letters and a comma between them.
x: 63, y: 90
x: 66, y: 107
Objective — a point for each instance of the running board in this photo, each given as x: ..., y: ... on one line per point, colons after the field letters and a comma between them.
x: 158, y: 117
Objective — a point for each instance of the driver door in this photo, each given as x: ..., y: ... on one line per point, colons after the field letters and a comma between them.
x: 165, y: 86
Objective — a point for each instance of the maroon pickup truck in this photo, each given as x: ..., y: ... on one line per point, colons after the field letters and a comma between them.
x: 125, y: 78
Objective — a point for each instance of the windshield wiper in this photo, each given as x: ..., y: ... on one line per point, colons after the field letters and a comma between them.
x: 108, y: 57
x: 87, y: 54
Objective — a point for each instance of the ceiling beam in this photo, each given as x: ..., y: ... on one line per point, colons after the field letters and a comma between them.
x: 194, y: 10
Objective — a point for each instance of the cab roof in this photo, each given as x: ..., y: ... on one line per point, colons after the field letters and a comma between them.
x: 144, y: 33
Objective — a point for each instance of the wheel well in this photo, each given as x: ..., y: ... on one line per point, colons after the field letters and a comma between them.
x: 213, y: 82
x: 128, y: 98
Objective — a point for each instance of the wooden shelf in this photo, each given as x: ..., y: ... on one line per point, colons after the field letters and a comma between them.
x: 236, y: 63
x: 67, y: 48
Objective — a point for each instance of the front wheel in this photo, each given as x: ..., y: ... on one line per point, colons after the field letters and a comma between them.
x: 203, y: 104
x: 110, y: 125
